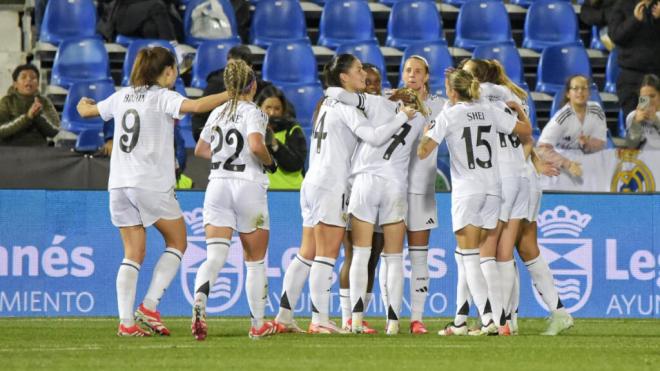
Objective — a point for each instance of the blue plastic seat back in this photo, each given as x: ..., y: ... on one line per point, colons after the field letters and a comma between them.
x: 290, y: 63
x: 64, y: 19
x: 367, y: 52
x: 304, y: 99
x: 413, y: 21
x: 211, y: 56
x: 481, y: 23
x: 132, y: 51
x: 80, y: 60
x: 438, y: 57
x: 228, y: 10
x: 548, y: 23
x: 89, y: 140
x: 277, y: 20
x: 507, y: 55
x: 557, y: 63
x: 345, y: 21
x: 97, y: 90
x: 611, y: 72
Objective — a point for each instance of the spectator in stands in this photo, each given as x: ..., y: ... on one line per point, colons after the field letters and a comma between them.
x: 594, y: 13
x: 579, y: 124
x: 242, y: 11
x: 634, y: 27
x: 148, y: 19
x: 285, y: 140
x: 643, y: 123
x: 216, y: 84
x: 26, y: 117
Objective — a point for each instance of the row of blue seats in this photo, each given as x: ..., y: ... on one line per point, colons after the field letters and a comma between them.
x: 480, y: 22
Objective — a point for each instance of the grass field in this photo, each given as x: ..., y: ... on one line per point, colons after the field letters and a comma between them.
x: 90, y: 344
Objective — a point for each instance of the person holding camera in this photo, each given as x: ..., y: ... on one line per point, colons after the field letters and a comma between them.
x: 285, y: 140
x: 643, y: 123
x: 634, y: 27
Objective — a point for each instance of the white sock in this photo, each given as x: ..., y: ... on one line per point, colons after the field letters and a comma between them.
x: 217, y: 250
x: 127, y: 277
x: 367, y: 300
x: 164, y: 272
x: 320, y: 280
x: 544, y: 283
x: 345, y: 302
x: 477, y: 283
x: 515, y: 294
x: 507, y: 271
x: 294, y: 281
x: 462, y: 292
x: 382, y: 281
x: 359, y: 277
x: 256, y: 288
x: 494, y: 282
x: 394, y: 285
x: 419, y: 280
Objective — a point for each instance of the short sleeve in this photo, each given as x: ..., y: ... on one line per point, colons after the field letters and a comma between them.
x: 438, y: 128
x: 551, y: 133
x: 206, y: 134
x: 106, y: 106
x: 170, y: 102
x: 257, y: 122
x: 505, y: 120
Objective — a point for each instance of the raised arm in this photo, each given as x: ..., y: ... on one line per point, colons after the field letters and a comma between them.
x: 87, y: 108
x: 378, y: 133
x: 204, y: 104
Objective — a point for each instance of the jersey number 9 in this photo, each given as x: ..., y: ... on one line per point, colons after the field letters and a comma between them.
x: 129, y: 140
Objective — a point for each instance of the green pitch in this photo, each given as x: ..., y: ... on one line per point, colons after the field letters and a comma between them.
x: 91, y: 344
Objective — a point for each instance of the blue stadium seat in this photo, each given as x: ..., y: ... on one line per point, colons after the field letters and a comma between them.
x: 548, y: 23
x: 187, y: 21
x: 595, y: 39
x: 124, y: 40
x: 527, y: 3
x: 97, y: 90
x: 185, y: 124
x: 89, y: 140
x: 622, y: 124
x: 211, y: 56
x: 413, y: 21
x: 557, y: 63
x: 368, y: 52
x: 611, y: 72
x: 304, y: 98
x: 290, y: 63
x: 80, y: 60
x: 64, y: 19
x: 344, y: 21
x: 482, y: 23
x: 132, y: 51
x: 507, y: 55
x: 277, y: 20
x: 556, y: 101
x: 438, y: 57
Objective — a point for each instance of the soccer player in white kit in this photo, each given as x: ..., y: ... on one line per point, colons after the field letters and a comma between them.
x: 142, y: 179
x: 236, y: 199
x: 470, y: 129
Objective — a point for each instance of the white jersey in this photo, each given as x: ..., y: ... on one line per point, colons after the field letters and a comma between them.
x: 143, y: 146
x: 511, y: 156
x: 649, y: 131
x: 335, y: 137
x: 470, y: 130
x: 565, y: 129
x: 228, y: 136
x: 422, y: 174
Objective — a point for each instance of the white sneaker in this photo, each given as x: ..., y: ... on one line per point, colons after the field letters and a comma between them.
x: 490, y: 329
x: 392, y: 328
x: 453, y: 330
x: 559, y: 321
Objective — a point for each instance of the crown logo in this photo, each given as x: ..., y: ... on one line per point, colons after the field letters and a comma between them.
x: 562, y: 221
x: 195, y: 220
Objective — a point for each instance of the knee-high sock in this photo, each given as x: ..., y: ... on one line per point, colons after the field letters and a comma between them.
x: 515, y: 295
x: 462, y: 291
x: 320, y: 280
x: 294, y: 281
x: 359, y: 277
x: 382, y: 281
x: 394, y: 285
x: 345, y: 303
x: 256, y: 288
x: 507, y: 271
x: 544, y: 283
x: 477, y: 283
x: 419, y: 280
x: 127, y: 277
x: 217, y: 250
x: 164, y: 272
x: 494, y: 282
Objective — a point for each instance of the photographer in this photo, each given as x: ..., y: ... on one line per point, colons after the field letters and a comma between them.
x: 634, y: 27
x: 285, y: 140
x: 643, y: 124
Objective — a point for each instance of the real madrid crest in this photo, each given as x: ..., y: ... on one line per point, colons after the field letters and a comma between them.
x: 631, y: 174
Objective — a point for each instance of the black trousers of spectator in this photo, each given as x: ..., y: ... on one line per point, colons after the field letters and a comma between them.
x: 148, y: 19
x: 627, y: 89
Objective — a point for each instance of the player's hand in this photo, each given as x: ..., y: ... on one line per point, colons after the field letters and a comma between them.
x: 106, y: 150
x: 583, y: 140
x: 638, y: 12
x: 34, y: 109
x: 515, y: 106
x: 548, y: 169
x: 575, y: 169
x: 410, y: 112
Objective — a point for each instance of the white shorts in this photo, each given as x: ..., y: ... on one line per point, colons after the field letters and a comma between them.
x: 377, y: 200
x: 135, y: 206
x: 238, y: 204
x: 515, y: 198
x: 321, y: 205
x: 422, y: 212
x: 479, y: 210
